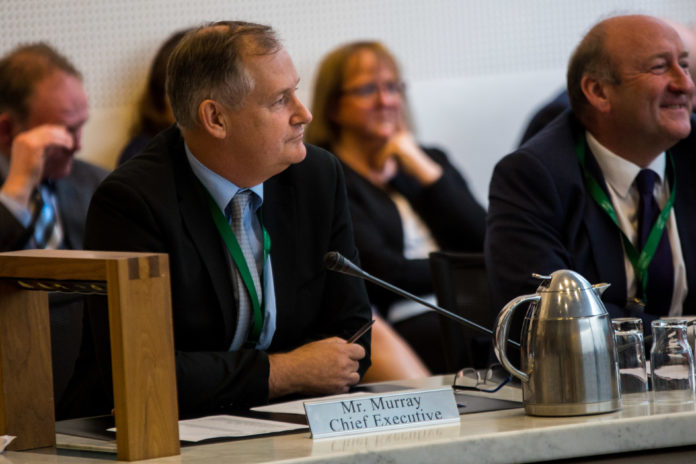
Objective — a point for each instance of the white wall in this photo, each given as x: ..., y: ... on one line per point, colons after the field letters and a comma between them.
x: 476, y: 69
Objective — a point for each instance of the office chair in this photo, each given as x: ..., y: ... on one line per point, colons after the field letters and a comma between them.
x: 461, y: 286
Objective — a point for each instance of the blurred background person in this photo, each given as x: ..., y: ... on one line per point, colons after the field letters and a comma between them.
x: 544, y: 115
x: 44, y: 190
x: 405, y: 200
x: 154, y: 111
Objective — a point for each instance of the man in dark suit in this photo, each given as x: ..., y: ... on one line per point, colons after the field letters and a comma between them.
x: 45, y: 192
x: 552, y: 201
x: 239, y: 133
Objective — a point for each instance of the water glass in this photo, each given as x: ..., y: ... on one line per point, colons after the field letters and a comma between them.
x: 628, y: 334
x: 671, y: 362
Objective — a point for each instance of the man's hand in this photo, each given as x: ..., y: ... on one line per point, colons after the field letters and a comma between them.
x: 30, y: 150
x: 323, y: 367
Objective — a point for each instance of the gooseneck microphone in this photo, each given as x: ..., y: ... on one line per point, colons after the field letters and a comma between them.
x: 335, y: 261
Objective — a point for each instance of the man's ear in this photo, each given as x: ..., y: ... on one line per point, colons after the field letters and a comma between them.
x: 212, y: 118
x: 596, y: 92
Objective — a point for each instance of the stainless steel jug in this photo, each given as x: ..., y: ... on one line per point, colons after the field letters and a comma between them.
x: 568, y: 354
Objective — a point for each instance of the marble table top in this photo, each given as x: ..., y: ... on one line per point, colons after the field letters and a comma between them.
x: 488, y: 437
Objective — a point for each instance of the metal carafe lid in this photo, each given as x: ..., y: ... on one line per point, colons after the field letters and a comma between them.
x: 566, y: 293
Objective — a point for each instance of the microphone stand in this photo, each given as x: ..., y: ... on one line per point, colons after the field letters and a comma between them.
x: 334, y: 261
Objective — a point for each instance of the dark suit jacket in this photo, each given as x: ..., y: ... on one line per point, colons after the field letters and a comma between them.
x: 73, y: 194
x: 447, y: 207
x: 155, y: 203
x: 541, y: 219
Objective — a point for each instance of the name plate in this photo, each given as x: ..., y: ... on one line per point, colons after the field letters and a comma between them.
x: 384, y: 411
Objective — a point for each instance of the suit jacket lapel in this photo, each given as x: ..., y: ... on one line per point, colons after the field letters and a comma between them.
x: 280, y: 220
x: 197, y: 220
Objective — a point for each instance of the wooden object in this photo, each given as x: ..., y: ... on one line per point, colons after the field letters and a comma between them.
x: 142, y: 345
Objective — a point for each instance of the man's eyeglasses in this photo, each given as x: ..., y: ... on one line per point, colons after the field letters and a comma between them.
x: 371, y: 89
x: 490, y: 380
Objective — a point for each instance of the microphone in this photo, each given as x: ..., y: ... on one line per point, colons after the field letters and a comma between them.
x: 335, y: 261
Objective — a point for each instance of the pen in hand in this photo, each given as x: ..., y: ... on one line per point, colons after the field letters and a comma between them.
x: 361, y: 331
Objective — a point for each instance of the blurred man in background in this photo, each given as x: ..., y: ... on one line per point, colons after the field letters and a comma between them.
x: 45, y: 191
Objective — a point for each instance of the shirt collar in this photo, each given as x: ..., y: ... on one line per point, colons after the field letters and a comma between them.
x: 618, y: 172
x: 221, y: 189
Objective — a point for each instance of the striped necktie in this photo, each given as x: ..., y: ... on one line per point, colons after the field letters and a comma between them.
x: 235, y: 211
x: 47, y: 230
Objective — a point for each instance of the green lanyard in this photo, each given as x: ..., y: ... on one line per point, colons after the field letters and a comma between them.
x: 233, y: 246
x: 639, y: 261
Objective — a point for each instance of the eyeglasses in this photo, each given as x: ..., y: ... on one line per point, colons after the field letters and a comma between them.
x: 371, y: 89
x: 490, y: 380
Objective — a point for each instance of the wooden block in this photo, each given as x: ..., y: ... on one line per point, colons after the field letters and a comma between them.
x: 142, y: 345
x: 143, y: 365
x: 60, y: 264
x: 26, y: 380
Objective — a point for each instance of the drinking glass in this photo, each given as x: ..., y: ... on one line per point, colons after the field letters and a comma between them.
x: 628, y: 334
x: 671, y: 362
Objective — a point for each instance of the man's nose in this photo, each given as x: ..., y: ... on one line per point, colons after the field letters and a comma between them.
x: 682, y: 81
x: 302, y: 115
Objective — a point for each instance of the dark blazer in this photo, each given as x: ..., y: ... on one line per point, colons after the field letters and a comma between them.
x: 73, y: 194
x: 447, y: 207
x: 541, y: 218
x: 155, y: 203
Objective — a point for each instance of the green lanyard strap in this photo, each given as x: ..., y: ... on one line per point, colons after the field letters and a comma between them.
x: 639, y: 261
x: 233, y: 246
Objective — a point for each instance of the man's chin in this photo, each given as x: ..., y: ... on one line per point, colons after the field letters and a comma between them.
x: 683, y: 130
x: 299, y: 153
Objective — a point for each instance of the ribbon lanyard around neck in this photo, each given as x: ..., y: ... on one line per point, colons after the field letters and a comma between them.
x: 235, y: 250
x: 639, y: 261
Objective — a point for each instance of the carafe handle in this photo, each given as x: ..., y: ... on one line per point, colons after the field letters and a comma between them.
x: 502, y: 327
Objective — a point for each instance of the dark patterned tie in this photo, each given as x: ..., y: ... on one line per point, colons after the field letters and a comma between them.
x: 661, y: 269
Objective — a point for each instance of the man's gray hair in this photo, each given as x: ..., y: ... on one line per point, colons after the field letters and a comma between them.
x: 209, y: 63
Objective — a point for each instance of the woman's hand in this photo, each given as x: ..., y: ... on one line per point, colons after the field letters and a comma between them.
x: 402, y: 152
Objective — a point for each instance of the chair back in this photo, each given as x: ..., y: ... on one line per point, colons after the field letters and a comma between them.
x: 461, y: 286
